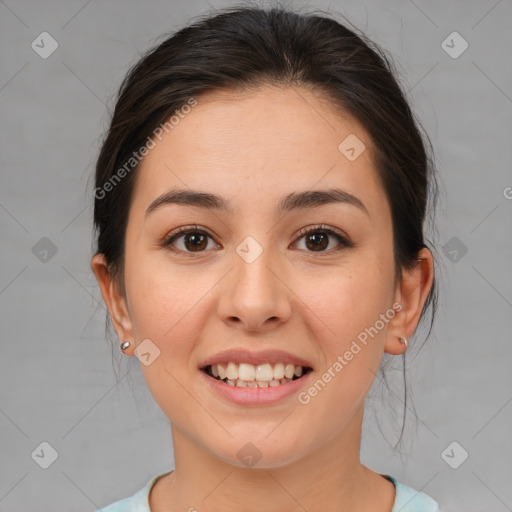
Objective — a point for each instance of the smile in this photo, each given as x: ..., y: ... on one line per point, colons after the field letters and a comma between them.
x: 246, y: 375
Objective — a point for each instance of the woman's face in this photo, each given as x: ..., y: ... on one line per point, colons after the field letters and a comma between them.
x: 250, y: 280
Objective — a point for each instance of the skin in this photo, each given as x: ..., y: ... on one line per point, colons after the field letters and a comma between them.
x: 253, y: 148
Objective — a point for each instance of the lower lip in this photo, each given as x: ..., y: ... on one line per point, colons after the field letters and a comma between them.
x: 255, y: 396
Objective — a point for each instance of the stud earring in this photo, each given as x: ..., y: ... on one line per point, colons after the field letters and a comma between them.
x: 125, y: 345
x: 403, y: 341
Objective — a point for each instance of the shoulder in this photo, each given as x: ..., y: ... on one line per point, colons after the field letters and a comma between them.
x: 408, y: 499
x: 139, y: 502
x: 125, y: 505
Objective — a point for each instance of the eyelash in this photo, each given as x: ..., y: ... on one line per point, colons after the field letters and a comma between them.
x: 344, y: 243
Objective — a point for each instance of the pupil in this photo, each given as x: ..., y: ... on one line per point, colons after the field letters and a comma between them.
x: 196, y: 240
x: 317, y: 242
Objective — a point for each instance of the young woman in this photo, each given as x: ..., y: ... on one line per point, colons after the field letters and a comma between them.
x: 259, y: 204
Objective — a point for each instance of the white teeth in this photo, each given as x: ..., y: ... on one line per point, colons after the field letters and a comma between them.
x: 246, y: 371
x: 232, y: 371
x: 262, y: 375
x: 278, y: 371
x: 264, y: 372
x: 288, y: 371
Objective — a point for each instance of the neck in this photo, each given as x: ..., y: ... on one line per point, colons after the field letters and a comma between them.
x: 331, y: 478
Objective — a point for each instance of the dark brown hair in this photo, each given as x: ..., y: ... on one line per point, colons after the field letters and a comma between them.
x: 245, y: 47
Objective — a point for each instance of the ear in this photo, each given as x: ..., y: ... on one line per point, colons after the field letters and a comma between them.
x: 115, y: 301
x: 411, y: 294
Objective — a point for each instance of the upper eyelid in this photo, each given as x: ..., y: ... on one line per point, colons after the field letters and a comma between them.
x: 320, y: 227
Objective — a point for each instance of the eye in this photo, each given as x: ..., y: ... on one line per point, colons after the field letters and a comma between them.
x: 317, y: 239
x: 194, y: 239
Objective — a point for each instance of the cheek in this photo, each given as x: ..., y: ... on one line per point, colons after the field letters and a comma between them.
x: 165, y: 307
x: 163, y: 303
x: 351, y: 299
x: 345, y: 319
x: 349, y: 310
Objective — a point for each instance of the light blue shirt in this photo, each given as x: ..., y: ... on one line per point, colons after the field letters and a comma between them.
x: 406, y: 500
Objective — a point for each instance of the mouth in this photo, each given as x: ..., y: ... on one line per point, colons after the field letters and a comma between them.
x: 247, y: 375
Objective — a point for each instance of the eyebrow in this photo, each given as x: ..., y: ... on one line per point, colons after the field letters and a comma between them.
x: 294, y: 201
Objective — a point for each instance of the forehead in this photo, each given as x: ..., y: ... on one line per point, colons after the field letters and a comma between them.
x: 257, y: 146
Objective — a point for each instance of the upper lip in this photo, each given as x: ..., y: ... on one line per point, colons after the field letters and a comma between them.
x: 242, y: 355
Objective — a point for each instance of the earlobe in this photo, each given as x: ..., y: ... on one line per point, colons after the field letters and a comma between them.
x: 411, y: 293
x: 114, y: 299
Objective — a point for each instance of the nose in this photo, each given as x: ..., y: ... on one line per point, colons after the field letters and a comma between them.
x: 254, y: 297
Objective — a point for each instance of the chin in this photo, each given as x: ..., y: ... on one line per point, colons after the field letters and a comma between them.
x: 259, y: 454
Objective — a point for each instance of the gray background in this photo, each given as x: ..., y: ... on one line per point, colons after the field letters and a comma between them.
x: 58, y: 384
